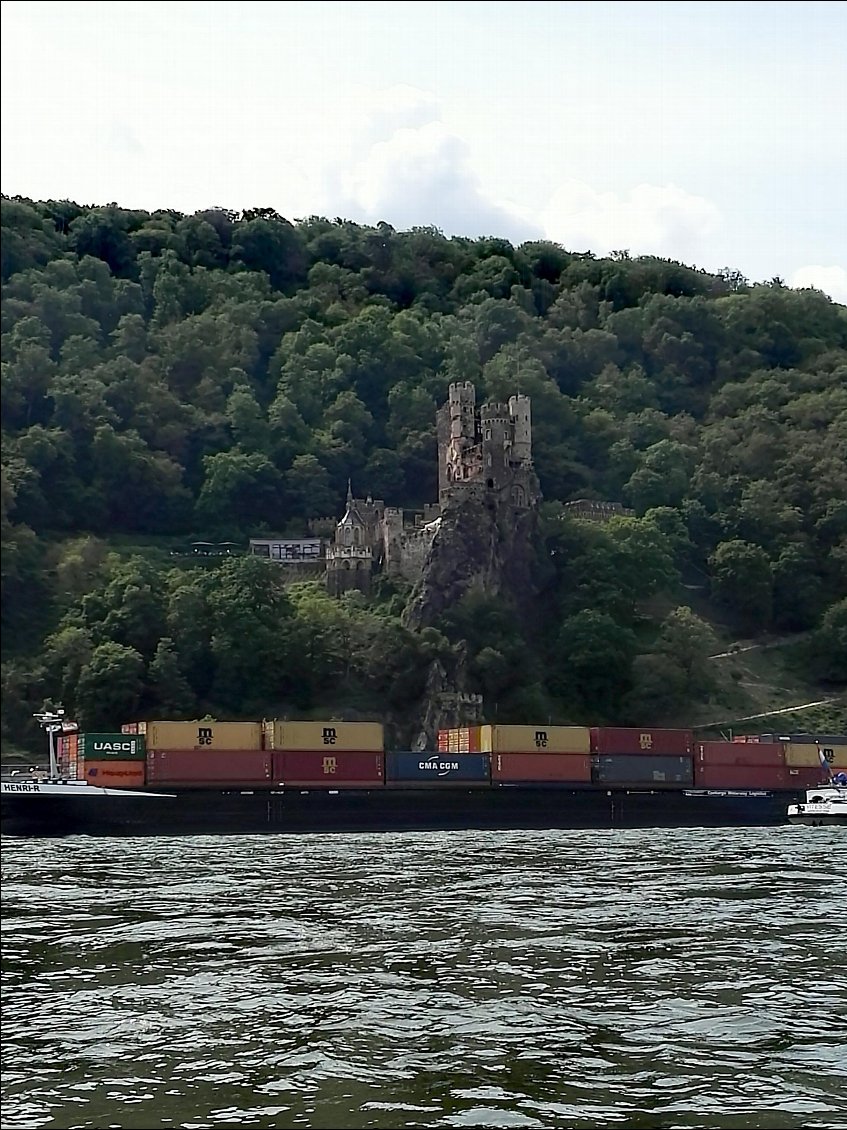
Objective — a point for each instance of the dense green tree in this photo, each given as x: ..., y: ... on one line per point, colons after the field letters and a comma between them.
x: 742, y: 580
x: 110, y: 687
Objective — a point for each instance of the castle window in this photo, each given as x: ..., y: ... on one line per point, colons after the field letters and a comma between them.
x: 357, y: 536
x: 347, y: 536
x: 488, y: 433
x: 490, y: 484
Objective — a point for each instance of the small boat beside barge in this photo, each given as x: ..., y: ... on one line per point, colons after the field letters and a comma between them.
x: 824, y: 805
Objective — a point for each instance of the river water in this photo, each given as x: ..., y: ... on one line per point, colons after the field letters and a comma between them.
x: 641, y: 980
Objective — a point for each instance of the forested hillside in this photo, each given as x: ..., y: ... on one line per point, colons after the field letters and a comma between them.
x: 216, y: 376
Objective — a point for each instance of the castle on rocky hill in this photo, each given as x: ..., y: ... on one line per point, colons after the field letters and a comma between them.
x: 484, y: 453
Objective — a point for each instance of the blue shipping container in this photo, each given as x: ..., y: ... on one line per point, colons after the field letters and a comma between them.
x: 437, y: 767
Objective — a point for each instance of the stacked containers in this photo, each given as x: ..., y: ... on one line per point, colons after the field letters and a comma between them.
x: 326, y: 754
x: 810, y: 763
x: 740, y: 765
x: 67, y: 755
x: 537, y: 754
x: 641, y: 756
x: 111, y: 760
x: 206, y: 754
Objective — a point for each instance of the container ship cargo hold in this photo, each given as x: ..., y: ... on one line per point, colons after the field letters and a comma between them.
x: 172, y: 778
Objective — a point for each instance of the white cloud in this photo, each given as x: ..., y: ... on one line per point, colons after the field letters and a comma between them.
x: 404, y: 166
x: 649, y: 219
x: 831, y: 280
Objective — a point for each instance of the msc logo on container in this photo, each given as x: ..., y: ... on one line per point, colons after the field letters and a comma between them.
x: 541, y: 739
x: 330, y: 735
x: 645, y: 741
x: 330, y: 764
x: 204, y: 735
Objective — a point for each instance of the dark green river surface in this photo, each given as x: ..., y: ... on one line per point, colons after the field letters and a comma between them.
x: 627, y: 979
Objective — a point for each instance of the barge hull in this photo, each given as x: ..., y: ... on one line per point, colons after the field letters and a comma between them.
x: 507, y: 807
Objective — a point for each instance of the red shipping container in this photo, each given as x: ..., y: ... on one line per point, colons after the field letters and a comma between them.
x: 805, y: 777
x: 541, y: 767
x: 740, y: 776
x: 641, y: 739
x: 328, y: 770
x: 739, y: 753
x: 209, y: 767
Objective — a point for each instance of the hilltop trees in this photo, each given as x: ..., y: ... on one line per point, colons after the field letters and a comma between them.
x: 216, y: 375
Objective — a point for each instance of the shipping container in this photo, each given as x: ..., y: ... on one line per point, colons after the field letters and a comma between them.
x: 534, y: 739
x: 641, y: 769
x: 203, y: 735
x: 209, y: 767
x: 806, y: 777
x: 574, y: 767
x: 463, y: 739
x: 129, y: 728
x: 107, y: 747
x: 334, y: 768
x: 740, y: 753
x: 438, y: 768
x: 810, y: 755
x: 640, y: 739
x: 351, y: 736
x: 113, y: 774
x: 740, y: 776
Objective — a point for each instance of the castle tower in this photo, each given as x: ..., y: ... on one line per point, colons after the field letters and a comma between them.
x: 495, y: 425
x: 392, y: 533
x: 461, y: 398
x: 519, y: 411
x: 457, y: 434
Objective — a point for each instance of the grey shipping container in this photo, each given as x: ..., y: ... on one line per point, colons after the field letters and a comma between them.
x: 638, y: 769
x: 437, y: 767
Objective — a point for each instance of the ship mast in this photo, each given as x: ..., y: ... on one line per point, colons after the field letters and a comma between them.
x: 52, y: 722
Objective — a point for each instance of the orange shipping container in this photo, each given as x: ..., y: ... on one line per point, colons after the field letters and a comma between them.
x: 348, y: 736
x: 535, y: 739
x: 113, y: 774
x: 808, y: 756
x: 203, y: 735
x: 739, y: 753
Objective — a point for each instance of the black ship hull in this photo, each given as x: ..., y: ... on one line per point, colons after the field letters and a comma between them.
x: 512, y: 807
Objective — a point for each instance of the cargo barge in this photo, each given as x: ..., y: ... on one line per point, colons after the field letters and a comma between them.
x: 210, y: 777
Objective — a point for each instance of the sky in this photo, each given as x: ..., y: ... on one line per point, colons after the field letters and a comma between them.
x: 714, y: 134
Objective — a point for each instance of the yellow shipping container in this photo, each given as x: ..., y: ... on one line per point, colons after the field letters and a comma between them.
x: 204, y: 735
x: 798, y: 755
x: 364, y: 736
x: 535, y: 739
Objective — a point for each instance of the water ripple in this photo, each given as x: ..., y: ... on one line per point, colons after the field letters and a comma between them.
x: 632, y: 979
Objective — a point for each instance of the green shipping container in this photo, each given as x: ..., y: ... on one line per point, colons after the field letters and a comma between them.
x: 112, y: 747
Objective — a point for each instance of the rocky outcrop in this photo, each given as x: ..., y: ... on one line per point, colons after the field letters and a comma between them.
x: 446, y: 702
x: 485, y: 544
